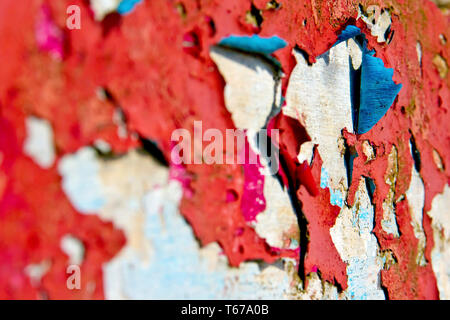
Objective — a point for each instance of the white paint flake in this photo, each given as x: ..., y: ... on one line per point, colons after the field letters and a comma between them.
x: 36, y: 271
x: 251, y: 90
x: 416, y: 200
x: 81, y: 182
x: 377, y: 20
x: 39, y: 142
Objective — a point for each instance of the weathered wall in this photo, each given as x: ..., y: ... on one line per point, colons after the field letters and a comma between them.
x: 359, y: 91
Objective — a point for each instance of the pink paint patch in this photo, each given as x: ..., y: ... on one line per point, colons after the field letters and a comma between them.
x: 178, y: 172
x: 232, y: 196
x: 253, y: 201
x: 48, y: 36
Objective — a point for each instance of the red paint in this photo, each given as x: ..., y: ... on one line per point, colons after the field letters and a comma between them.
x: 156, y: 65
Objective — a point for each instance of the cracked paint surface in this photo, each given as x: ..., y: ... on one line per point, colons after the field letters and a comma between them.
x: 355, y: 211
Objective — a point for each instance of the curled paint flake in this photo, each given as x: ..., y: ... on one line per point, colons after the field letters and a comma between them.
x: 378, y: 91
x: 251, y: 90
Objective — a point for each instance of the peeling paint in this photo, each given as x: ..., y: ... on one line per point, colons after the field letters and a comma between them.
x: 326, y: 112
x: 378, y: 21
x: 346, y: 208
x: 39, y: 142
x: 251, y: 90
x: 357, y: 246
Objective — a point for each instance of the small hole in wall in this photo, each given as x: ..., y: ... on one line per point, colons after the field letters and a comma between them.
x: 254, y: 17
x: 212, y: 26
x: 231, y: 196
x: 241, y: 249
x: 191, y: 43
x: 415, y: 152
x: 111, y: 21
x: 273, y: 5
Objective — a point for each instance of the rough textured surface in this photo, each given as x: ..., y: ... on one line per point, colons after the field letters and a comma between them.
x: 88, y: 192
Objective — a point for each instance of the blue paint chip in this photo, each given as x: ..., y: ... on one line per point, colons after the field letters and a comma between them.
x: 348, y: 33
x: 378, y: 91
x: 254, y: 43
x: 127, y: 6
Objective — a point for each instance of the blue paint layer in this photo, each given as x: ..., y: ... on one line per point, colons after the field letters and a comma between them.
x: 348, y: 33
x: 127, y: 6
x: 254, y: 43
x: 378, y: 91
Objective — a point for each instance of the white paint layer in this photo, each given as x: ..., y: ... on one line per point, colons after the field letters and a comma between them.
x: 251, y: 90
x: 319, y: 97
x: 39, y: 142
x: 103, y: 7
